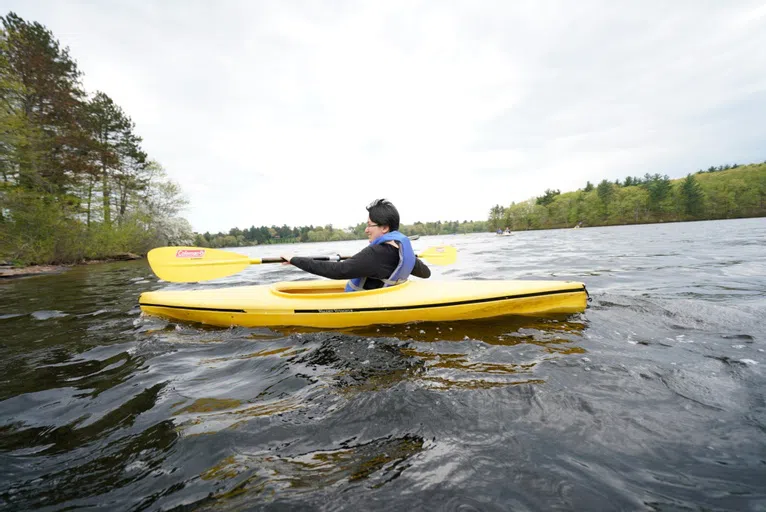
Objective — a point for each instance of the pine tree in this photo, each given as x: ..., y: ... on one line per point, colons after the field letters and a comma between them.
x: 46, y: 101
x: 117, y: 157
x: 692, y: 196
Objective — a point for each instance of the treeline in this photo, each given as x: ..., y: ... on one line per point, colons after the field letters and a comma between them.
x: 272, y: 235
x: 724, y: 192
x: 279, y: 235
x: 75, y: 182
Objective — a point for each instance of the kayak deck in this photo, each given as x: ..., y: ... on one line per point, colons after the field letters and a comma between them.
x: 324, y: 303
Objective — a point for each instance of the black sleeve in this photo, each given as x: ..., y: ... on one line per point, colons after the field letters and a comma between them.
x: 365, y: 263
x: 421, y: 270
x: 374, y: 261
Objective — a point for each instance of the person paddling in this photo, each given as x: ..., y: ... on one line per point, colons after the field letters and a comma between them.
x: 388, y: 260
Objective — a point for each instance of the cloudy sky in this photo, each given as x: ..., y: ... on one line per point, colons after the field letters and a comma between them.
x: 302, y: 112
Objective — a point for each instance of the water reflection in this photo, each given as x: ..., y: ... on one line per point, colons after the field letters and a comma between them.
x: 476, y: 354
x: 119, y: 464
x: 262, y: 476
x: 51, y: 439
x: 496, y: 331
x: 208, y: 415
x: 93, y: 375
x: 359, y: 364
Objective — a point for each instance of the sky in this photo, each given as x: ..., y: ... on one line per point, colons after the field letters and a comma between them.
x: 302, y: 112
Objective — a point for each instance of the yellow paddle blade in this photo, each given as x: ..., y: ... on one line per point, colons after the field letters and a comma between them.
x: 440, y: 255
x: 191, y: 264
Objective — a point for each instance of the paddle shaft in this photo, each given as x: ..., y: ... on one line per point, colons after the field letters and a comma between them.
x: 337, y: 257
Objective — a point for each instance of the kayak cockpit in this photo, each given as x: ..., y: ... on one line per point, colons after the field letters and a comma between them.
x: 292, y: 288
x: 325, y: 288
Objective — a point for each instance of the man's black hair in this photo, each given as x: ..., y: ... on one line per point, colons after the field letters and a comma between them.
x: 383, y: 213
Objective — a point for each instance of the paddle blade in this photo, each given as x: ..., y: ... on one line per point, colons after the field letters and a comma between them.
x: 191, y: 264
x: 440, y: 255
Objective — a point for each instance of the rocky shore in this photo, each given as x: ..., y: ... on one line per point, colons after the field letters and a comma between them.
x: 8, y: 271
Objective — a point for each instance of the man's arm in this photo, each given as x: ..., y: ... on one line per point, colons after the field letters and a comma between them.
x: 421, y: 270
x: 365, y: 263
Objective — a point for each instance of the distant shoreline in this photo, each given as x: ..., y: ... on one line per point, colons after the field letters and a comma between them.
x: 646, y: 223
x: 9, y: 272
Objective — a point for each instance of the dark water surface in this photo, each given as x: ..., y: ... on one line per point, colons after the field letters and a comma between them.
x: 653, y: 399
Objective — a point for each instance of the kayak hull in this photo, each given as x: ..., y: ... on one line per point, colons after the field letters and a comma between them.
x: 324, y: 304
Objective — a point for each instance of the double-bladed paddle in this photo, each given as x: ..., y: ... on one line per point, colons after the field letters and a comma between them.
x: 191, y: 264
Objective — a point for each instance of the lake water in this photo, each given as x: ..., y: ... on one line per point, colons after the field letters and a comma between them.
x: 653, y: 399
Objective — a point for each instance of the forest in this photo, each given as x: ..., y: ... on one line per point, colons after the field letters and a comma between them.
x: 75, y: 183
x: 723, y: 192
x: 279, y: 235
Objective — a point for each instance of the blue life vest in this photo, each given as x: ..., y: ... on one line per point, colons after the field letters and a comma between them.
x: 401, y: 272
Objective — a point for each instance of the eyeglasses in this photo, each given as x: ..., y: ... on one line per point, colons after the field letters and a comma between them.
x: 373, y: 225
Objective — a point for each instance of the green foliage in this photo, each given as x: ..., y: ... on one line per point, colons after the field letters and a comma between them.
x: 659, y: 191
x: 42, y: 229
x: 443, y: 228
x: 285, y: 234
x: 692, y: 197
x: 605, y: 191
x: 713, y: 168
x: 727, y: 192
x: 46, y: 101
x: 70, y: 166
x: 497, y: 218
x: 548, y: 197
x: 37, y: 229
x: 116, y: 156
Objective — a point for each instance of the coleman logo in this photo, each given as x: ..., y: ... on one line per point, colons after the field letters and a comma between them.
x: 186, y: 253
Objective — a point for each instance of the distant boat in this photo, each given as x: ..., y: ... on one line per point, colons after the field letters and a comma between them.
x: 414, y: 237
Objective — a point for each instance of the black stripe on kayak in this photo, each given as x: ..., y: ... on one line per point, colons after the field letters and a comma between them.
x: 439, y: 305
x: 384, y: 308
x: 217, y: 310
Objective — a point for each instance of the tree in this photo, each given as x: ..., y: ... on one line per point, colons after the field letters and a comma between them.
x: 548, y: 197
x: 14, y: 125
x: 46, y: 102
x: 692, y: 196
x: 117, y: 154
x: 133, y: 176
x: 59, y: 150
x: 605, y: 192
x: 730, y: 193
x: 496, y: 214
x: 659, y: 188
x: 164, y: 197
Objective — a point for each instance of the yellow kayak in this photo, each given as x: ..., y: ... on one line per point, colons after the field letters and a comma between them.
x: 324, y: 304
